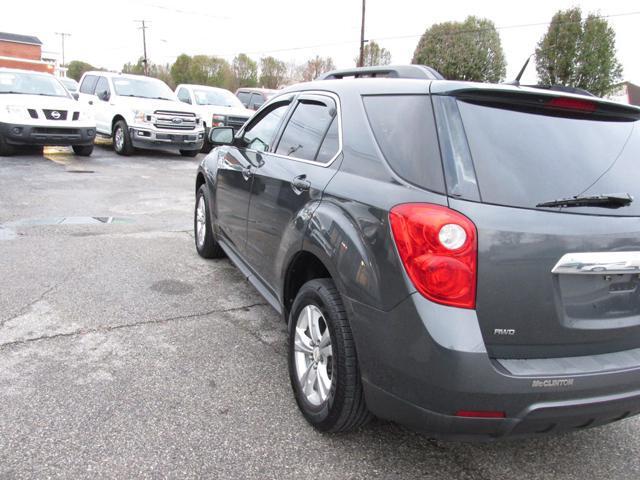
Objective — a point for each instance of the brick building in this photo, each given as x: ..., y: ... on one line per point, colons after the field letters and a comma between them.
x: 22, y: 51
x: 627, y: 93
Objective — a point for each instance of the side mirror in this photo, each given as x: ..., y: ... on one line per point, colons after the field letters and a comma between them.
x: 221, y: 136
x: 75, y: 95
x: 104, y: 96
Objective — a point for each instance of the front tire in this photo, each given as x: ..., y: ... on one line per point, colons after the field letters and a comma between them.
x: 206, y: 244
x: 189, y: 153
x: 6, y: 150
x: 323, y: 365
x: 121, y: 139
x: 83, y: 150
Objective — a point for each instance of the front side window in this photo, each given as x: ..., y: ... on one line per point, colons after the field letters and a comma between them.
x: 102, y: 88
x: 89, y: 84
x: 183, y: 95
x: 257, y: 100
x: 244, y: 98
x: 259, y: 135
x: 306, y: 130
x: 31, y: 84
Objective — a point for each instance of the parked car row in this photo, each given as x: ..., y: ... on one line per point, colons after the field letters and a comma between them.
x: 133, y: 110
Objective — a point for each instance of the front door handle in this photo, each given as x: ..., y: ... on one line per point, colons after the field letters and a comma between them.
x: 247, y: 173
x: 90, y: 102
x: 300, y: 184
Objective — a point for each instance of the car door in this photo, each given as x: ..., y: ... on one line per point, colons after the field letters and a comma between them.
x: 87, y: 90
x: 291, y: 176
x: 235, y: 173
x: 102, y: 105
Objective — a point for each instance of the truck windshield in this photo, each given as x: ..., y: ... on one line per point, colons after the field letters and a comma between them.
x: 526, y: 158
x: 143, y: 88
x: 221, y: 98
x: 31, y: 84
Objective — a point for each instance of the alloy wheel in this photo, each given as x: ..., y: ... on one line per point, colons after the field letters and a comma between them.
x: 313, y: 355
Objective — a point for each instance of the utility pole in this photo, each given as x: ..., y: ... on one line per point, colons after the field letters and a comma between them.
x: 361, y: 60
x: 144, y: 27
x: 62, y: 35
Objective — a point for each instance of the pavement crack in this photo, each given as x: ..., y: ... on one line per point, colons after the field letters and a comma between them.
x: 26, y: 307
x: 110, y: 328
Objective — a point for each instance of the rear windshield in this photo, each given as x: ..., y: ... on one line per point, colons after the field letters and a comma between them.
x: 525, y: 158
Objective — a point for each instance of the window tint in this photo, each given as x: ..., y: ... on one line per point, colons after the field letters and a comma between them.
x: 330, y: 144
x: 102, y: 86
x: 523, y: 158
x: 88, y: 84
x: 259, y: 135
x: 306, y: 130
x: 244, y: 97
x: 404, y: 128
x: 183, y: 95
x: 256, y: 101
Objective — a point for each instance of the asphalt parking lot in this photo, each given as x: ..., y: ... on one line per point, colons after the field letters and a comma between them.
x: 125, y: 355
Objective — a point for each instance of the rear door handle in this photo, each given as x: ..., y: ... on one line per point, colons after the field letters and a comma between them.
x: 247, y: 173
x: 300, y: 184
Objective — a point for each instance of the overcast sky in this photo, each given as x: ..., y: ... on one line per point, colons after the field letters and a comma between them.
x: 105, y: 34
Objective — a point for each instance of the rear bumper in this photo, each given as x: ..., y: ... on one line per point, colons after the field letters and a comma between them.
x: 17, y: 134
x: 151, y: 139
x: 422, y: 363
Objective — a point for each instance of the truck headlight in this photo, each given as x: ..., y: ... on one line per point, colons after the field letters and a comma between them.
x: 17, y: 111
x: 140, y: 116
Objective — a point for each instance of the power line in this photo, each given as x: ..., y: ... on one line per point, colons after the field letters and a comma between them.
x: 400, y: 37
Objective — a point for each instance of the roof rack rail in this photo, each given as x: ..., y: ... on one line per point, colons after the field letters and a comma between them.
x: 421, y: 72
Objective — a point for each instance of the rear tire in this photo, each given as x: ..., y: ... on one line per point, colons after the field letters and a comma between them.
x: 206, y: 244
x: 83, y: 150
x: 6, y: 150
x: 121, y: 139
x: 323, y: 366
x: 189, y: 153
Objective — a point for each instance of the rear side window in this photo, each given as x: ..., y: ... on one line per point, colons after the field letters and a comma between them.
x: 306, y: 130
x: 405, y: 131
x: 89, y: 84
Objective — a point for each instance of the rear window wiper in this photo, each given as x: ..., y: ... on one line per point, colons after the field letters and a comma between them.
x: 607, y: 200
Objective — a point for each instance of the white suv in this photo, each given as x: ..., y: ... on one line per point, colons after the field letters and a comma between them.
x: 217, y: 107
x: 35, y: 109
x: 141, y: 112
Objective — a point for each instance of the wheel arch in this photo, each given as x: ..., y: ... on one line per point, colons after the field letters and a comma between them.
x: 115, y: 120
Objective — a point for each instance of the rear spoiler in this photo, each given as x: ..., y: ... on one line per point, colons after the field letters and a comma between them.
x: 546, y: 102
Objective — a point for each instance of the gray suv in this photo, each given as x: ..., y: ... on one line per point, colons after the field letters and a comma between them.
x: 461, y: 258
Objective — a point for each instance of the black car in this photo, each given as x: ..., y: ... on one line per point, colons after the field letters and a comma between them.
x: 425, y: 241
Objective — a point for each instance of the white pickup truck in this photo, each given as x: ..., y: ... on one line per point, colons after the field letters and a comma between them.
x: 141, y: 112
x: 217, y: 107
x: 36, y: 110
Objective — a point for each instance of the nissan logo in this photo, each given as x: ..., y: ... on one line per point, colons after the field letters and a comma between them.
x: 176, y: 120
x: 55, y: 115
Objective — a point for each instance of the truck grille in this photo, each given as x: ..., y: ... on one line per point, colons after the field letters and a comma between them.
x: 169, y: 120
x: 55, y: 114
x: 236, y: 122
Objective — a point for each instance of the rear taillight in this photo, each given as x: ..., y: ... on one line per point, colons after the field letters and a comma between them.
x: 439, y: 250
x: 567, y: 103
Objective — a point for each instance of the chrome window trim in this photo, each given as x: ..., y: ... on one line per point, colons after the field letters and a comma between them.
x: 296, y: 95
